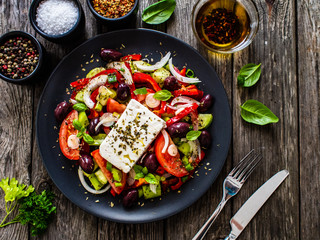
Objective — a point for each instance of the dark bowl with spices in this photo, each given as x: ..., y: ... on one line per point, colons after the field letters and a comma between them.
x: 57, y: 20
x: 21, y: 57
x: 225, y: 26
x: 114, y: 13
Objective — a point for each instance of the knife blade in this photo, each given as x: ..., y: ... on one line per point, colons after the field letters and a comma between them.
x: 244, y: 215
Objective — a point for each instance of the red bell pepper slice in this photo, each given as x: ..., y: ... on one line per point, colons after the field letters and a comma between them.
x: 183, y: 72
x: 143, y: 78
x: 190, y: 90
x: 182, y: 114
x: 102, y: 163
x: 178, y: 185
x: 94, y: 95
x: 108, y: 72
x: 93, y: 114
x: 80, y: 83
x: 132, y: 57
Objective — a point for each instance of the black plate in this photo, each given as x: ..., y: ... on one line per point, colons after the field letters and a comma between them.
x: 64, y: 172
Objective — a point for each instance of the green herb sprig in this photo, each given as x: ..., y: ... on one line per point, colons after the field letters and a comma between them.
x: 86, y: 137
x: 163, y: 95
x: 35, y: 209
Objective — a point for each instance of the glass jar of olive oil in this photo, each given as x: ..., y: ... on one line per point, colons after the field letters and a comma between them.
x: 225, y: 26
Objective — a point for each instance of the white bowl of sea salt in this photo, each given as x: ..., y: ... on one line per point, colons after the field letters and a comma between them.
x: 57, y: 20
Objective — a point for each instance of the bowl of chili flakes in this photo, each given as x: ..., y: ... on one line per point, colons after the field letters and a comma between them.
x: 114, y: 13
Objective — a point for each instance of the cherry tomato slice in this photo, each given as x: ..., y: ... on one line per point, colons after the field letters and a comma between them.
x: 114, y: 106
x: 67, y: 129
x: 172, y: 165
x: 102, y: 163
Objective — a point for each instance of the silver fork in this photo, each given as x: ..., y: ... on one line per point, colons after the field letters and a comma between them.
x: 231, y: 186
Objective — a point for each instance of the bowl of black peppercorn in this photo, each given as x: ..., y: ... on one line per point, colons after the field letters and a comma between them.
x: 21, y: 57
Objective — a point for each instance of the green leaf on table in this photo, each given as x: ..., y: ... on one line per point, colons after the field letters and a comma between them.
x: 193, y: 135
x: 249, y: 75
x: 159, y: 12
x: 255, y: 112
x: 163, y: 95
x: 13, y: 190
x: 141, y: 91
x: 80, y: 107
x: 150, y: 178
x: 36, y: 209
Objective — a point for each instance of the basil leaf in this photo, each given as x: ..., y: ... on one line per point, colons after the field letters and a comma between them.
x: 139, y: 175
x: 193, y: 135
x: 158, y: 12
x: 80, y: 107
x: 137, y: 169
x: 77, y: 125
x: 79, y: 135
x: 87, y: 138
x: 150, y: 178
x: 249, y: 75
x: 141, y: 91
x: 163, y: 95
x: 255, y: 112
x: 145, y: 170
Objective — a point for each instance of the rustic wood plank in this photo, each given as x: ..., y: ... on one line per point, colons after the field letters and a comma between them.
x: 274, y: 47
x: 15, y: 121
x: 186, y: 224
x: 308, y: 33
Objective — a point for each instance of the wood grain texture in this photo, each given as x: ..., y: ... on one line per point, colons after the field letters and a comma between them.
x: 308, y: 33
x: 274, y: 47
x: 15, y: 122
x: 287, y: 45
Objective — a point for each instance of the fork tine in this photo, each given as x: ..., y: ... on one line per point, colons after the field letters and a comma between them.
x: 243, y: 161
x: 247, y: 174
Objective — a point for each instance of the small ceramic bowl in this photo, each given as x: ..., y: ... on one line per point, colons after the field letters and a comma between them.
x: 71, y: 34
x: 115, y: 22
x: 247, y: 24
x: 14, y: 34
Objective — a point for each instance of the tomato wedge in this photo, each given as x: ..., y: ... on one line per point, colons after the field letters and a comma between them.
x: 172, y: 165
x: 114, y: 106
x: 102, y: 163
x: 67, y: 129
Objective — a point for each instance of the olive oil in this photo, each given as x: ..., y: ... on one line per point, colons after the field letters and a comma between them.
x: 222, y: 24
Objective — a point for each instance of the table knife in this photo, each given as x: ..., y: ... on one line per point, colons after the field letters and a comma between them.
x: 244, y: 215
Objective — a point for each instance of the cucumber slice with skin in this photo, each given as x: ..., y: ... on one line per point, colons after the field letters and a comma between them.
x: 100, y: 176
x: 205, y: 120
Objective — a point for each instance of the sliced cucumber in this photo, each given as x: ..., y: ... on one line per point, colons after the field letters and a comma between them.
x: 185, y: 148
x: 95, y: 182
x: 147, y: 193
x: 79, y: 96
x: 83, y: 119
x: 205, y: 120
x: 100, y: 176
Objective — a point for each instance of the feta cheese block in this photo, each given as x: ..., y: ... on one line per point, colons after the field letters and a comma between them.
x: 131, y: 136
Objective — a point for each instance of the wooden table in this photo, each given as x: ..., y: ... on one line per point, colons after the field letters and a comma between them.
x: 287, y: 45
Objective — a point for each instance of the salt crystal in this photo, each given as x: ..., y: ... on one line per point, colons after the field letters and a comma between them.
x: 56, y: 17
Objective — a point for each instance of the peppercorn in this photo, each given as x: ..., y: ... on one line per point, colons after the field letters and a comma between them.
x: 15, y: 53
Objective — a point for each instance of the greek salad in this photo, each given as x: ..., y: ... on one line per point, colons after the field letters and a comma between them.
x: 135, y: 128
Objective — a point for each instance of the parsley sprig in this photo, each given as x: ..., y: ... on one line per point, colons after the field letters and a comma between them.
x: 35, y: 209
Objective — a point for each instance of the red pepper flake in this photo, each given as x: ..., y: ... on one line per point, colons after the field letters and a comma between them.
x: 113, y: 8
x: 221, y: 26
